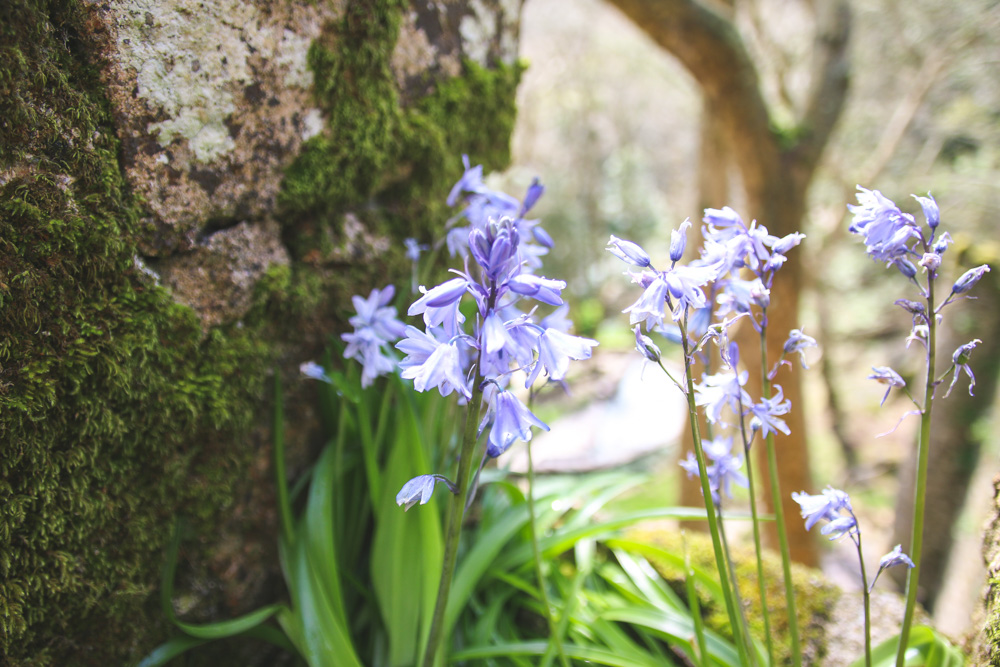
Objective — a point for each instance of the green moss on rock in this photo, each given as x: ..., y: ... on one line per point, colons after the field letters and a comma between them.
x: 117, y: 410
x: 815, y: 596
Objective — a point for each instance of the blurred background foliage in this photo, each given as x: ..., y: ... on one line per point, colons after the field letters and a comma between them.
x: 611, y: 123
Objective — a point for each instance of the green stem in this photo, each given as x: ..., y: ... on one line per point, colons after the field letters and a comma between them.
x: 761, y: 584
x: 699, y: 626
x: 456, y: 513
x: 779, y: 514
x: 737, y: 599
x: 706, y: 492
x: 920, y: 487
x: 554, y: 637
x: 868, y: 612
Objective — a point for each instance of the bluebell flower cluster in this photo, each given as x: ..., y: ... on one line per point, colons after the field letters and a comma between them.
x: 832, y: 506
x: 724, y: 470
x: 451, y: 353
x: 896, y: 238
x: 375, y: 330
x: 730, y: 280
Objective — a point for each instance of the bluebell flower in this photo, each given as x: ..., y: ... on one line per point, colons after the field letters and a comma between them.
x: 420, y: 489
x: 969, y: 279
x: 651, y: 305
x: 960, y: 359
x: 314, y: 371
x: 766, y: 414
x: 628, y: 252
x: 440, y: 304
x: 738, y: 296
x: 887, y: 376
x: 545, y: 290
x: 413, y: 249
x: 931, y: 210
x: 535, y: 190
x: 555, y: 349
x: 722, y: 472
x: 645, y: 345
x: 432, y: 363
x: 842, y: 525
x: 799, y: 342
x: 895, y: 557
x: 888, y: 232
x: 826, y: 506
x: 678, y: 241
x: 720, y: 390
x: 942, y: 243
x: 511, y: 421
x: 375, y: 329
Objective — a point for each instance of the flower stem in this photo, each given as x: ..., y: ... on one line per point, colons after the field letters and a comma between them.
x: 761, y: 584
x: 868, y: 611
x: 779, y: 515
x: 555, y: 638
x: 456, y: 513
x: 920, y: 487
x: 706, y: 492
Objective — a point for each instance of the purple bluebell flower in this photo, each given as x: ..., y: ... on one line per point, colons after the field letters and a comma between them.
x: 542, y: 238
x: 905, y: 266
x: 540, y: 289
x: 887, y: 376
x: 511, y: 421
x: 931, y: 210
x: 722, y: 472
x: 895, y: 557
x: 375, y: 329
x: 969, y: 279
x: 413, y: 249
x: 799, y: 342
x: 720, y: 390
x: 420, y: 489
x: 960, y: 359
x: 535, y: 190
x: 766, y: 414
x: 942, y: 243
x: 725, y: 468
x: 628, y: 252
x: 723, y: 218
x: 555, y: 349
x: 432, y: 363
x: 678, y: 241
x: 738, y: 296
x: 930, y: 261
x: 645, y: 345
x: 826, y: 506
x: 842, y: 525
x: 440, y: 304
x: 651, y: 305
x: 314, y: 371
x: 888, y: 232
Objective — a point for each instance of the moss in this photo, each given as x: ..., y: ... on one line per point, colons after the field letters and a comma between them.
x: 116, y: 410
x: 378, y: 152
x: 815, y: 597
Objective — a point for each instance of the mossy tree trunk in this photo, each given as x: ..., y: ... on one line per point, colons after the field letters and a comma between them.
x: 189, y: 194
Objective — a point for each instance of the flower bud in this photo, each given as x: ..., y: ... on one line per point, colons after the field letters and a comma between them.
x: 905, y: 267
x: 969, y: 279
x: 678, y: 241
x: 628, y: 252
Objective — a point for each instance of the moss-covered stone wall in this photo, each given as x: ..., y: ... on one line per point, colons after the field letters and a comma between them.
x: 126, y: 395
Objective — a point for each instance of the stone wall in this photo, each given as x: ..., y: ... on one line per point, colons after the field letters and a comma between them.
x: 189, y: 194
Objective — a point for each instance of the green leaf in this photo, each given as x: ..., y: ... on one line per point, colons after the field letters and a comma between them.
x: 926, y: 648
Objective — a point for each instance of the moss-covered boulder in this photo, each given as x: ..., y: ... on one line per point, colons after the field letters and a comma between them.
x: 189, y: 192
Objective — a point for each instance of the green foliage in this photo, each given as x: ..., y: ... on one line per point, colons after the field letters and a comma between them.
x: 361, y: 574
x: 926, y: 648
